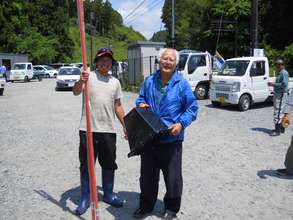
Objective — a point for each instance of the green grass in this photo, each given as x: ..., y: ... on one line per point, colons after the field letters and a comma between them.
x: 118, y: 42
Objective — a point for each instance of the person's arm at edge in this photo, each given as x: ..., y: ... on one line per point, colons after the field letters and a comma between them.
x: 78, y: 86
x: 119, y: 111
x: 191, y: 105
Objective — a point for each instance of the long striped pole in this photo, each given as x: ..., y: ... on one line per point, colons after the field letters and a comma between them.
x: 90, y: 149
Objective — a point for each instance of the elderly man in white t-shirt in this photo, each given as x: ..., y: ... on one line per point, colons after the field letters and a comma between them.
x: 104, y: 93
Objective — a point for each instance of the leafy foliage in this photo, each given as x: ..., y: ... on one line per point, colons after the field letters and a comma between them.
x: 198, y: 22
x: 47, y: 30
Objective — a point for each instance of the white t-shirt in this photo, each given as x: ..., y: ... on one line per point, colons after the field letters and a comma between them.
x: 103, y: 91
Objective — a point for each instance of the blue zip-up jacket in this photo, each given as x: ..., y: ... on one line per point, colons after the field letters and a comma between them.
x: 176, y: 105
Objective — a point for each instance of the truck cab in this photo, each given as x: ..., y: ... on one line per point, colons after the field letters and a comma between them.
x: 21, y: 71
x: 241, y: 81
x: 196, y: 67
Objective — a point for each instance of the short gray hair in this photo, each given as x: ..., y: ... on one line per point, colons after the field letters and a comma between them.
x: 163, y: 50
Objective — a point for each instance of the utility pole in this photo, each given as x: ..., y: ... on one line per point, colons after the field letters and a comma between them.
x: 91, y: 41
x: 173, y: 26
x: 254, y: 25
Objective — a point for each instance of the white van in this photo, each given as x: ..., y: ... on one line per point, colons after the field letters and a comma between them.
x: 242, y: 81
x: 196, y: 67
x: 21, y: 71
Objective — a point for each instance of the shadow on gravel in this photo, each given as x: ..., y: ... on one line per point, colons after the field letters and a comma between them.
x: 235, y: 107
x: 264, y: 130
x: 264, y: 173
x: 131, y: 204
x: 72, y: 194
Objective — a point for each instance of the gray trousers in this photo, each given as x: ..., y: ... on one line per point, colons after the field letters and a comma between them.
x: 279, y: 105
x: 289, y: 158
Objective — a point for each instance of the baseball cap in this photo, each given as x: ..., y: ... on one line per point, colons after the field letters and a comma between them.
x: 279, y: 61
x: 104, y: 51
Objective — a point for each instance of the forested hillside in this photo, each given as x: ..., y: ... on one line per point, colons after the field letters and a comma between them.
x: 47, y: 30
x: 198, y: 22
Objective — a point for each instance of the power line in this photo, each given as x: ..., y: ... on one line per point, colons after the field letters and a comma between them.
x: 139, y: 11
x: 134, y: 9
x: 148, y: 8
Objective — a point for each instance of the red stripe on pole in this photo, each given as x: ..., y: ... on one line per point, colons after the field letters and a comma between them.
x: 90, y: 149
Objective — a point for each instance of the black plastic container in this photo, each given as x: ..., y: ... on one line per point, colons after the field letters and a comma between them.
x: 142, y: 126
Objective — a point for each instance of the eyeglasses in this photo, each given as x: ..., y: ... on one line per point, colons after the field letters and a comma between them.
x: 171, y: 59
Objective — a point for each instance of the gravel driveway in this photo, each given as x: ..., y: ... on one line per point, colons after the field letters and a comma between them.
x: 228, y: 161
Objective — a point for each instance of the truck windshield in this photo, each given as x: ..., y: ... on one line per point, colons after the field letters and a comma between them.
x: 234, y: 68
x: 18, y: 66
x: 182, y: 61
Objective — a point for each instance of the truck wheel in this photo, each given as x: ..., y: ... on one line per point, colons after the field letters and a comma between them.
x: 201, y: 92
x: 244, y: 103
x: 1, y: 91
x: 40, y: 78
x: 26, y: 79
x: 216, y: 104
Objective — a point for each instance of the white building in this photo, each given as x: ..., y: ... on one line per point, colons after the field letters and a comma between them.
x: 8, y: 59
x: 141, y: 60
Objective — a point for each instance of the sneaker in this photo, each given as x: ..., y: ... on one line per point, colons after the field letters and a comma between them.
x: 169, y: 215
x: 283, y: 172
x: 141, y: 213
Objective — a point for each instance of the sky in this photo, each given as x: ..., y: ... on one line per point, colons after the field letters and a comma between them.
x: 146, y: 19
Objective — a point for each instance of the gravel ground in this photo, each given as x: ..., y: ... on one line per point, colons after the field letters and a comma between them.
x: 228, y: 161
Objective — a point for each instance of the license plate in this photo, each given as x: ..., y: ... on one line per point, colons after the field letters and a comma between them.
x: 221, y: 99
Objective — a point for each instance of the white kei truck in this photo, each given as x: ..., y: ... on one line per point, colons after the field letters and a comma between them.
x: 21, y: 72
x: 242, y: 81
x: 196, y: 67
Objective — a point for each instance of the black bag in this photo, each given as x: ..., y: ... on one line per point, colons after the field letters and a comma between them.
x: 142, y: 126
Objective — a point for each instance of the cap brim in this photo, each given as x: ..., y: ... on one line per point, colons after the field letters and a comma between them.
x: 105, y: 53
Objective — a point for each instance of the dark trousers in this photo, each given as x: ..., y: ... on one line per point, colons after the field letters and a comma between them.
x: 168, y: 158
x: 289, y: 158
x: 104, y: 148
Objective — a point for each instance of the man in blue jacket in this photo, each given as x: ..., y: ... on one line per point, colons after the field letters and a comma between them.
x: 169, y: 95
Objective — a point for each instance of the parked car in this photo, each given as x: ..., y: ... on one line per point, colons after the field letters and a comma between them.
x: 67, y: 76
x: 49, y: 72
x: 38, y: 73
x: 119, y: 68
x: 21, y: 71
x: 79, y: 65
x: 2, y: 84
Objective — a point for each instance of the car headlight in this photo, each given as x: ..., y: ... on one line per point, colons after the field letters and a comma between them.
x: 235, y: 87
